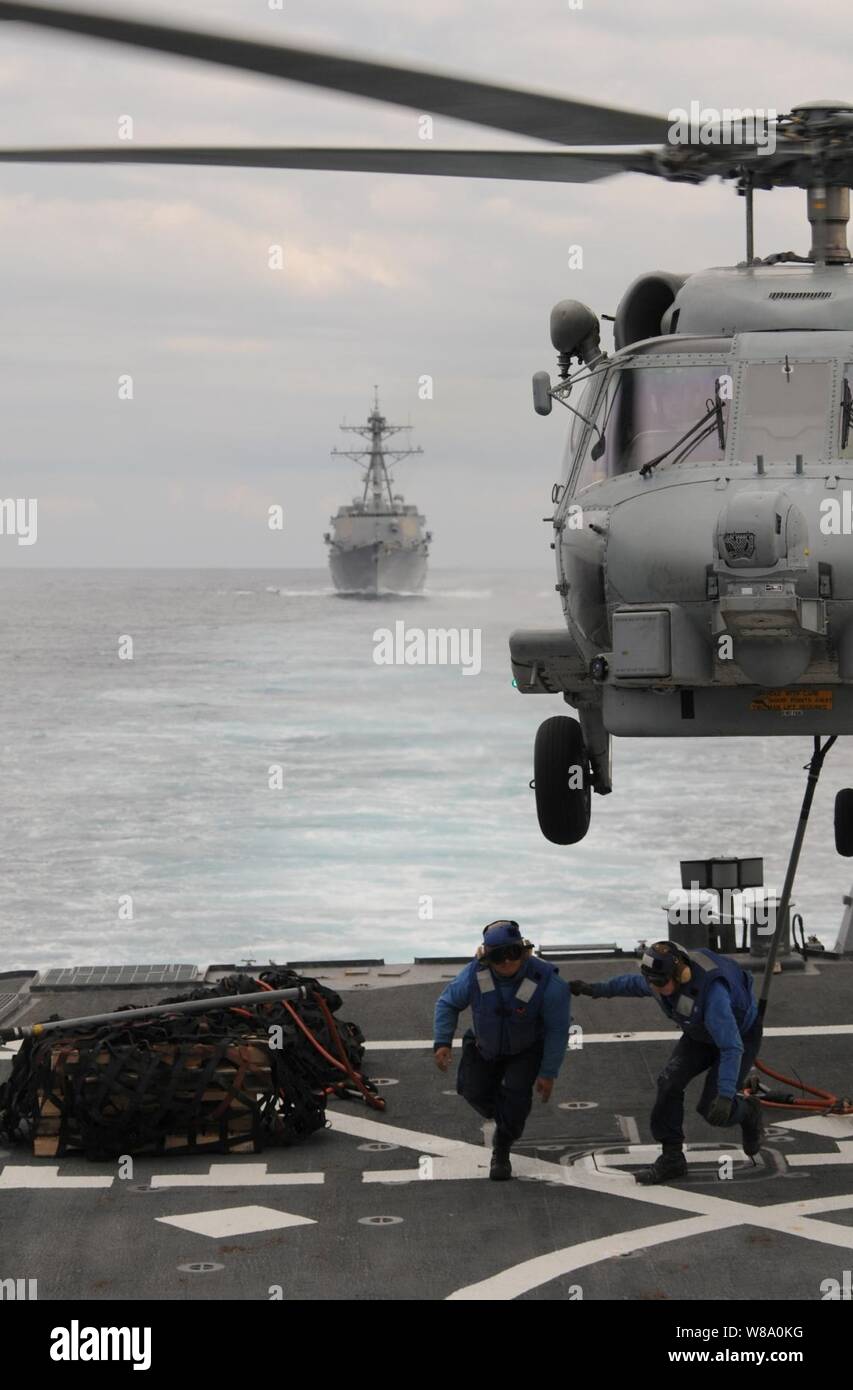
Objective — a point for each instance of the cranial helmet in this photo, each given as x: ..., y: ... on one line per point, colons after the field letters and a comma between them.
x: 662, y: 962
x: 502, y: 933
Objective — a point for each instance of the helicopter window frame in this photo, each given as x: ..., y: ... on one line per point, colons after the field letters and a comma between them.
x: 845, y: 380
x: 577, y: 450
x: 831, y: 443
x: 639, y: 361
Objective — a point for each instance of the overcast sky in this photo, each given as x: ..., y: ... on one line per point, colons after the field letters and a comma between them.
x: 241, y: 374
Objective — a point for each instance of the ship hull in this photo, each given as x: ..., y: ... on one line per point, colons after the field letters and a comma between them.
x: 374, y: 569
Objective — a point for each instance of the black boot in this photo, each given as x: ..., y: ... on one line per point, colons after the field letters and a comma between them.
x: 500, y: 1169
x: 669, y: 1165
x: 752, y: 1128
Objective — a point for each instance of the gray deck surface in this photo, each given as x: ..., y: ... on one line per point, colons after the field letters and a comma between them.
x: 572, y: 1223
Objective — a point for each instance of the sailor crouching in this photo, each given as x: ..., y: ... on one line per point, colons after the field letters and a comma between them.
x: 520, y: 1012
x: 711, y: 999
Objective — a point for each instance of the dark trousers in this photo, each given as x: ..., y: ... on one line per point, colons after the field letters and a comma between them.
x: 500, y: 1090
x: 690, y: 1059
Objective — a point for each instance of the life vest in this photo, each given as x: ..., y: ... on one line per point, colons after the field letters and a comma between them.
x: 509, y: 1019
x: 686, y: 1006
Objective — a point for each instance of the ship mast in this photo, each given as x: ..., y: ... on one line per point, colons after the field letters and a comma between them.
x: 377, y: 479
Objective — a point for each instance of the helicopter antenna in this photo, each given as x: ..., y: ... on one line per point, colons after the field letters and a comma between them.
x: 374, y: 456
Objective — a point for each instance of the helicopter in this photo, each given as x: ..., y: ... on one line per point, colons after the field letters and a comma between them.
x: 702, y: 552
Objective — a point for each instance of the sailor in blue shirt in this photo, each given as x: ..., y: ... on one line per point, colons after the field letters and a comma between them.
x: 520, y: 1012
x: 711, y: 1000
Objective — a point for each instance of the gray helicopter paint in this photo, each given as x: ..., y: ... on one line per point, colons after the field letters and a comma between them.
x: 721, y: 713
x: 651, y: 579
x: 776, y: 298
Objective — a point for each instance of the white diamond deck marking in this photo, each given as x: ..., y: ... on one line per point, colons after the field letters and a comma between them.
x: 235, y: 1221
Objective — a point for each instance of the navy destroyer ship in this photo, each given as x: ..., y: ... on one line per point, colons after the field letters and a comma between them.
x: 377, y: 544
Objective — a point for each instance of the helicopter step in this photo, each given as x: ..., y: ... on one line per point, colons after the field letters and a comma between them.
x: 545, y: 661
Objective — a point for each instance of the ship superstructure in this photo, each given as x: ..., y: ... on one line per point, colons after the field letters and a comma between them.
x: 377, y: 544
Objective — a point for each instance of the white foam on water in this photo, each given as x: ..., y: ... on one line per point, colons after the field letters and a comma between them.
x: 399, y: 785
x: 458, y: 593
x: 299, y: 593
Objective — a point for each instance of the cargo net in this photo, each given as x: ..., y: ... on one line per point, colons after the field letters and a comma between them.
x: 229, y: 1080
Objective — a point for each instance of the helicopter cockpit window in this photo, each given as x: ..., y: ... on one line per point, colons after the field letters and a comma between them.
x: 583, y: 405
x: 646, y: 410
x: 783, y: 410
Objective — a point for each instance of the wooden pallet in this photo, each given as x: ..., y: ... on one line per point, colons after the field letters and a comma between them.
x: 228, y: 1114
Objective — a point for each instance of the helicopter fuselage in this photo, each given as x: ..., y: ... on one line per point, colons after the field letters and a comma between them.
x: 707, y: 585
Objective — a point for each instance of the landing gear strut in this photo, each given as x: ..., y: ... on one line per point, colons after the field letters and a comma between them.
x: 814, y: 770
x: 561, y: 779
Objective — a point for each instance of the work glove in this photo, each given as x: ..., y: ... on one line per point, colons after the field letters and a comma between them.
x: 720, y: 1110
x: 581, y: 987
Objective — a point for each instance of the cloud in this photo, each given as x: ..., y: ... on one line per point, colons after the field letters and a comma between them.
x: 240, y: 500
x: 242, y: 372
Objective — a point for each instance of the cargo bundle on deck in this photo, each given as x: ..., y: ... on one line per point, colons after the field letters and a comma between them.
x: 230, y: 1079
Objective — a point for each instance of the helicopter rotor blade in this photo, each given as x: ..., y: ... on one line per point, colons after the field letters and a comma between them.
x: 544, y: 166
x: 535, y: 114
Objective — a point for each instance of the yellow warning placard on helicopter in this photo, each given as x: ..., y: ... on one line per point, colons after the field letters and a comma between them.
x: 788, y: 701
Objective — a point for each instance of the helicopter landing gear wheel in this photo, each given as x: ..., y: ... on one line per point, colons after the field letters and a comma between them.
x: 562, y: 781
x: 844, y: 822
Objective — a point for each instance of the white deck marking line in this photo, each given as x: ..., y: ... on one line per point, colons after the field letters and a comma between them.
x: 629, y: 1128
x: 787, y: 1219
x: 235, y: 1221
x: 235, y: 1175
x: 14, y: 1178
x: 844, y: 1155
x: 818, y: 1030
x: 812, y: 1205
x: 475, y: 1164
x: 635, y: 1154
x: 827, y: 1126
x: 364, y: 1128
x: 521, y: 1278
x: 465, y: 1165
x: 629, y: 1035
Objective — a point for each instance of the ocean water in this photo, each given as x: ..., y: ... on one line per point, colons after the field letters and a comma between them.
x: 145, y: 784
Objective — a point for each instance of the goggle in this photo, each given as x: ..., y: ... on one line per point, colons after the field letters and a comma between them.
x: 498, y: 954
x: 655, y: 970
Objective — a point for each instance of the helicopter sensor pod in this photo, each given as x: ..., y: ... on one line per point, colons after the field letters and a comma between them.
x: 574, y: 333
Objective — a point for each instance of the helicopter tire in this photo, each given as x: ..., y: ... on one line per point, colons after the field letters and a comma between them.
x: 563, y: 809
x: 844, y: 822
